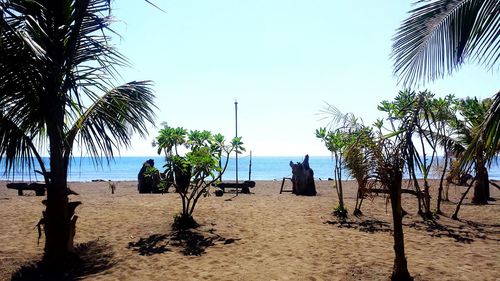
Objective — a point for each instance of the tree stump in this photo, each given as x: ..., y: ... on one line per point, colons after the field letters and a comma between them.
x: 303, y: 178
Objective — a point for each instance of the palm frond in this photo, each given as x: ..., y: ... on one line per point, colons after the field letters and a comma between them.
x: 109, y: 123
x: 17, y: 149
x: 487, y: 138
x: 439, y: 35
x: 339, y: 120
x: 490, y: 129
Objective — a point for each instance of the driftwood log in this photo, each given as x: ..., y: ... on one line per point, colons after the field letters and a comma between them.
x: 303, y: 178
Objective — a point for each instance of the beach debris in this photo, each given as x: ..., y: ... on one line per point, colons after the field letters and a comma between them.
x: 112, y: 186
x: 219, y: 192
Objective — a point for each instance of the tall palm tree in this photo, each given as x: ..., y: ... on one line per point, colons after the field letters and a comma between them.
x: 474, y: 151
x: 57, y: 69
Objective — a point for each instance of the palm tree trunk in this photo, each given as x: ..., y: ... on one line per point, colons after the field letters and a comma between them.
x: 427, y: 199
x: 58, y: 226
x: 58, y: 243
x: 400, y: 268
x: 481, y: 186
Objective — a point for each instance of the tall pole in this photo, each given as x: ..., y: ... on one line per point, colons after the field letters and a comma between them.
x: 250, y: 167
x: 236, y: 124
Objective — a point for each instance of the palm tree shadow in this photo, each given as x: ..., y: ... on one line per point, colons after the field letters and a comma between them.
x: 89, y: 258
x: 462, y: 233
x: 369, y: 225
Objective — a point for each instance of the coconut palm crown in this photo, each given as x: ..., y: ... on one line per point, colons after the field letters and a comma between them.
x: 57, y: 74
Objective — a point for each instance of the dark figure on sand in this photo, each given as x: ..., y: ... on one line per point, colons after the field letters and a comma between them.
x: 303, y: 178
x: 147, y: 183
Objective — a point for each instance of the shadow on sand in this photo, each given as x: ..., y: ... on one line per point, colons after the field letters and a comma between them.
x: 465, y: 232
x: 90, y: 258
x: 369, y: 225
x: 190, y: 242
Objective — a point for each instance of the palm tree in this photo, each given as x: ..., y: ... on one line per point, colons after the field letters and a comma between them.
x: 388, y: 164
x: 383, y: 157
x: 56, y: 87
x: 473, y: 152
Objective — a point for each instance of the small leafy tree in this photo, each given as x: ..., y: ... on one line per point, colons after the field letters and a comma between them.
x: 152, y: 181
x: 335, y: 143
x: 195, y: 171
x: 357, y: 164
x: 337, y: 139
x: 444, y: 112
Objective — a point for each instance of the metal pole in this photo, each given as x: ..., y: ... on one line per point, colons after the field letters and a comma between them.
x: 250, y: 167
x: 236, y: 123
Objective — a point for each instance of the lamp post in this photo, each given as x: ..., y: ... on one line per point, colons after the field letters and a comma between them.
x: 236, y: 150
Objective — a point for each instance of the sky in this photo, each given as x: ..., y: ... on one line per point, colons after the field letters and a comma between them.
x: 281, y: 60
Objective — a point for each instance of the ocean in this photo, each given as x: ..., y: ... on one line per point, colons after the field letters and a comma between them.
x: 262, y: 168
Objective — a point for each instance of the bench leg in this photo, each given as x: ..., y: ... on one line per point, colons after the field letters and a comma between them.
x: 282, y: 184
x: 20, y: 192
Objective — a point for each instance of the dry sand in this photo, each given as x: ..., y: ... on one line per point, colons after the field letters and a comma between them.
x: 262, y: 236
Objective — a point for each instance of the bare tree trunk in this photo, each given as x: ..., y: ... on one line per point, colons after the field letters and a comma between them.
x: 400, y: 268
x: 427, y: 200
x: 447, y: 192
x: 440, y: 190
x: 455, y: 215
x: 341, y: 191
x: 418, y: 191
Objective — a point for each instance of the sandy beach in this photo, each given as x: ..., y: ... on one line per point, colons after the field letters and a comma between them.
x: 261, y: 236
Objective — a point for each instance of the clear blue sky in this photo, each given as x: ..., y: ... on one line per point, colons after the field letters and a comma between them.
x: 282, y: 60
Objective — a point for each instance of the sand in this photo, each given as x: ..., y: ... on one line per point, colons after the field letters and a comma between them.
x: 262, y: 236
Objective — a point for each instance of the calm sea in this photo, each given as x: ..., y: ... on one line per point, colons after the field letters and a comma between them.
x: 262, y: 168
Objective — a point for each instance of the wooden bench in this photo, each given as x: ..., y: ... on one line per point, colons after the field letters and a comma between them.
x: 244, y: 186
x: 39, y: 188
